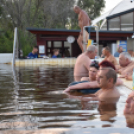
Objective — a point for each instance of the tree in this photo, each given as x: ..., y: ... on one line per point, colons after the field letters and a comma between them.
x: 41, y: 14
x: 92, y: 7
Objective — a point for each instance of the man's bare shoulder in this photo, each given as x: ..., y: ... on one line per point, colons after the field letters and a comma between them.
x: 84, y: 56
x: 111, y: 93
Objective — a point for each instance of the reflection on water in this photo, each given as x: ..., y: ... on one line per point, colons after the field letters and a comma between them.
x: 32, y: 101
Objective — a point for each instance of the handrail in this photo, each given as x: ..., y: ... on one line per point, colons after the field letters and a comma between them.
x: 97, y: 36
x: 15, y: 47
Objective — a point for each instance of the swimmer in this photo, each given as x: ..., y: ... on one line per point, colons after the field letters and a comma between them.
x: 108, y: 56
x: 94, y: 67
x: 94, y: 84
x: 126, y: 65
x: 83, y: 62
x: 106, y: 79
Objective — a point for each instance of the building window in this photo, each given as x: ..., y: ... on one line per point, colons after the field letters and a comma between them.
x: 67, y: 50
x: 114, y: 24
x: 57, y: 44
x: 104, y: 27
x: 127, y: 22
x: 49, y: 44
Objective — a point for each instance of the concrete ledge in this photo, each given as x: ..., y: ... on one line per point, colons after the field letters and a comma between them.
x: 6, y: 58
x: 39, y: 61
x: 51, y: 61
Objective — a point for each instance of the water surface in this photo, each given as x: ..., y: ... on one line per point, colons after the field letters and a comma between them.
x: 32, y: 101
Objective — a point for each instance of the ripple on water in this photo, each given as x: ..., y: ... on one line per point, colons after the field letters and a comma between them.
x: 32, y: 101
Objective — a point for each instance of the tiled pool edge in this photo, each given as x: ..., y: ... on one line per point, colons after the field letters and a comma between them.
x: 40, y: 61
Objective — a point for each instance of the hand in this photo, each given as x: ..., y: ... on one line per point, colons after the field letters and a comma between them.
x: 67, y: 89
x: 122, y: 76
x: 128, y: 77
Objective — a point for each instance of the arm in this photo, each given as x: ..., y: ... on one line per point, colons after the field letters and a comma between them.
x: 85, y: 79
x: 78, y: 86
x: 115, y: 61
x: 86, y: 85
x: 129, y: 77
x: 80, y: 22
x: 118, y: 82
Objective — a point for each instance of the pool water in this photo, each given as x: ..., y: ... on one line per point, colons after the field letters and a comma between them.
x: 32, y: 102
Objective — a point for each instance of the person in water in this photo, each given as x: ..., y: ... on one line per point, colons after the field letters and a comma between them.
x: 93, y: 70
x: 94, y: 84
x: 126, y: 65
x: 129, y: 107
x: 106, y: 79
x: 108, y: 56
x: 129, y: 110
x: 33, y: 54
x: 83, y: 62
x: 55, y: 53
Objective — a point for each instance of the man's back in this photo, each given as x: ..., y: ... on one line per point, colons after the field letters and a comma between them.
x: 81, y: 66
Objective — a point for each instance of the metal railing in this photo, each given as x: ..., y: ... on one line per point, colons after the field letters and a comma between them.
x: 15, y: 46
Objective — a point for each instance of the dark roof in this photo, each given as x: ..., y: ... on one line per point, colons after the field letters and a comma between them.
x: 52, y: 30
x: 112, y: 35
x: 121, y: 13
x: 108, y: 31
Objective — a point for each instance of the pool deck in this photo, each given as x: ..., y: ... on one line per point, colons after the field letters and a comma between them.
x: 42, y: 61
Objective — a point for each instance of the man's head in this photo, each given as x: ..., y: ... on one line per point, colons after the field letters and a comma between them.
x: 93, y: 70
x: 120, y: 49
x: 106, y: 77
x: 92, y: 51
x: 129, y: 107
x: 106, y: 51
x: 124, y: 59
x: 56, y: 52
x: 106, y: 64
x: 35, y: 49
x: 77, y: 9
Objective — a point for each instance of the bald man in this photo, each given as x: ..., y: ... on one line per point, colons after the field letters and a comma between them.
x: 83, y: 62
x: 84, y: 20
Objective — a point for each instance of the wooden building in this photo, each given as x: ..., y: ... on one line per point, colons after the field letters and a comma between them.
x: 49, y: 39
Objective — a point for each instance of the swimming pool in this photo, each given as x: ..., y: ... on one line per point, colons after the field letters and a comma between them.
x: 32, y: 101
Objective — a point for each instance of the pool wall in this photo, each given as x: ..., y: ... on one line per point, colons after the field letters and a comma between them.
x: 51, y: 61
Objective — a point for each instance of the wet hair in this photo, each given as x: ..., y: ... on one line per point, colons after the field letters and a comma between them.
x: 91, y: 48
x: 95, y: 64
x: 106, y: 63
x: 126, y: 55
x: 111, y: 73
x: 36, y: 47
